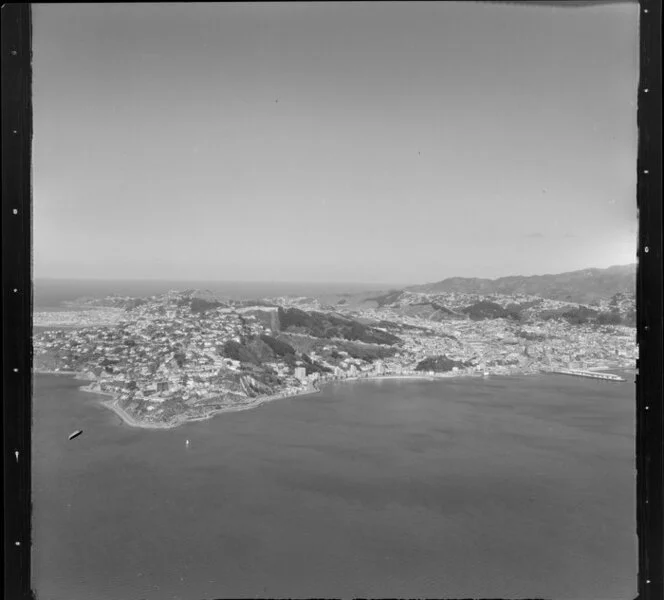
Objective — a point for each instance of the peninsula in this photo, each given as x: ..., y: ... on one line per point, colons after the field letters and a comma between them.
x: 188, y: 355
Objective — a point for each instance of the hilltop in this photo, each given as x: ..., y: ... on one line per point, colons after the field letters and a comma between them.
x: 583, y: 286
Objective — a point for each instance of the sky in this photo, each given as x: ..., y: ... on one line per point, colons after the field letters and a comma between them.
x: 359, y: 142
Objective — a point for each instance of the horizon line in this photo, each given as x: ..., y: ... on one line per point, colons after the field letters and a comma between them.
x: 634, y: 264
x: 305, y: 282
x: 203, y: 280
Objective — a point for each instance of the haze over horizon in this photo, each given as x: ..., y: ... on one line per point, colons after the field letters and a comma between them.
x: 336, y: 283
x: 402, y: 143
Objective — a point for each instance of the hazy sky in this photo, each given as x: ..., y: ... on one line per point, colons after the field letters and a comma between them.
x: 370, y: 142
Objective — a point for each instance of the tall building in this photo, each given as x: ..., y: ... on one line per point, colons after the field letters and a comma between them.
x: 301, y: 373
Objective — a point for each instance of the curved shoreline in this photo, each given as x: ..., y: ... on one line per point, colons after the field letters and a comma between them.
x: 127, y: 419
x: 114, y: 406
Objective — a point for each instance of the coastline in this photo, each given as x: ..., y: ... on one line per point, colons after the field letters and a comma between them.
x: 113, y: 404
x: 127, y: 419
x: 132, y: 422
x: 74, y: 374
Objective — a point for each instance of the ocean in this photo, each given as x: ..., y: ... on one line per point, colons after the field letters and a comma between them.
x: 49, y: 294
x: 499, y: 487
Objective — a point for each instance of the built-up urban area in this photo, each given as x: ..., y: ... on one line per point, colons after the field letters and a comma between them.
x: 183, y: 356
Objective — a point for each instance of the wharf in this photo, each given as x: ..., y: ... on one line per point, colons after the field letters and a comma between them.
x: 589, y: 374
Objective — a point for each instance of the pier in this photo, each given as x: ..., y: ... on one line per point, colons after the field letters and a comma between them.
x: 589, y: 374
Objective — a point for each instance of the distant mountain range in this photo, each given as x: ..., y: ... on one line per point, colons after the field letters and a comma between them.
x: 582, y: 286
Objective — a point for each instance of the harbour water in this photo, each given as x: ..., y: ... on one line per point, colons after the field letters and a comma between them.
x: 499, y: 487
x: 50, y: 294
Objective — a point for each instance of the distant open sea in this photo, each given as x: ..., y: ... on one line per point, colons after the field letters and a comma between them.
x: 503, y: 487
x: 50, y: 293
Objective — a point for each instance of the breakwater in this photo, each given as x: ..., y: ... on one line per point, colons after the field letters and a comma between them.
x: 589, y: 374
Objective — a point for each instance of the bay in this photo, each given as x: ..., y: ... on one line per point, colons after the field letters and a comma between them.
x: 50, y: 294
x: 504, y: 487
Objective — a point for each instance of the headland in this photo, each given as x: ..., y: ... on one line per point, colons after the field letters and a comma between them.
x: 185, y: 356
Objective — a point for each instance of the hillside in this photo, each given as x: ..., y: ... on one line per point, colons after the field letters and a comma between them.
x: 440, y: 364
x: 322, y: 325
x: 487, y: 310
x: 582, y: 286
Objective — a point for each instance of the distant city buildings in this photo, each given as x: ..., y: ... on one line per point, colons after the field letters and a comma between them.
x: 160, y: 356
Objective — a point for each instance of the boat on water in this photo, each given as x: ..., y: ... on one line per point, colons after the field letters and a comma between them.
x: 75, y: 434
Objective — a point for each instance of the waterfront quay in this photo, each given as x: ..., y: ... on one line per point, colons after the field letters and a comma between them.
x: 589, y: 374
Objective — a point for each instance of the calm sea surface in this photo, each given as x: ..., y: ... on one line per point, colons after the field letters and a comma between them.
x: 506, y: 487
x: 50, y: 293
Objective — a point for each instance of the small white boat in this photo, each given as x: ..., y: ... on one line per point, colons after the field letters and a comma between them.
x: 187, y: 443
x: 75, y: 434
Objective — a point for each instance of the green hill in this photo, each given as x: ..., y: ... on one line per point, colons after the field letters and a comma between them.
x: 326, y: 325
